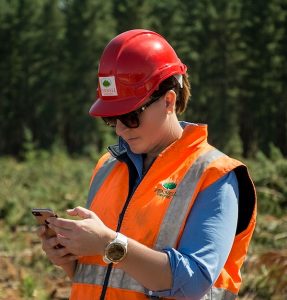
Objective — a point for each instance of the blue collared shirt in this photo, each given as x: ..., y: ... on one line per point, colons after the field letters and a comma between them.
x: 207, y: 237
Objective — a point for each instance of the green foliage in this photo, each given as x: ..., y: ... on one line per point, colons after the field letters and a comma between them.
x: 211, y: 29
x: 263, y: 273
x: 88, y: 28
x: 270, y: 176
x: 263, y: 92
x: 50, y: 52
x: 45, y: 180
x: 28, y: 287
x: 266, y: 266
x: 29, y: 147
x: 133, y: 14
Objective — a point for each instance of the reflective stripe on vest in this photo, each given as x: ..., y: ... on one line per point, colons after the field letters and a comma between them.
x: 219, y: 294
x: 177, y: 210
x: 94, y: 274
x: 99, y: 178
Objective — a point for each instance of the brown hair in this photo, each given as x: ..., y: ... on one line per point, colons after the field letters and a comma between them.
x: 182, y: 94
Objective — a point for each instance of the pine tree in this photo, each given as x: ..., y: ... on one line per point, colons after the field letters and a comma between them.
x: 89, y: 26
x: 19, y: 32
x: 211, y: 37
x: 275, y: 110
x: 263, y: 71
x: 133, y: 14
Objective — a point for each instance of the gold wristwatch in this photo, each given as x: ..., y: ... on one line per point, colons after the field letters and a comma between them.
x: 116, y: 250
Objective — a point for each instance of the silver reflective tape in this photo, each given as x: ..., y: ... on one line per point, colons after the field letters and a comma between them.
x: 99, y: 178
x: 90, y: 274
x: 95, y: 274
x: 178, y: 207
x: 219, y: 294
x: 120, y: 279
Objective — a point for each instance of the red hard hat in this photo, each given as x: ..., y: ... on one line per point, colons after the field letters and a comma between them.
x: 131, y: 68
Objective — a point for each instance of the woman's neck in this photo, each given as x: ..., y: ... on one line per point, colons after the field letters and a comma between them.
x: 172, y: 135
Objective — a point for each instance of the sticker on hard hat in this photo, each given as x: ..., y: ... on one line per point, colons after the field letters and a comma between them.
x: 108, y: 86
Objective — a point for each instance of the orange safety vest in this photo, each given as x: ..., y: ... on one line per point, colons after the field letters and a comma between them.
x: 166, y: 193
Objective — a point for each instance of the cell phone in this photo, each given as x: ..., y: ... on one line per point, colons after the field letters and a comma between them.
x: 41, y: 215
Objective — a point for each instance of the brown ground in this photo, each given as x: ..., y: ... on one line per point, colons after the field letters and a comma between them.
x: 21, y: 268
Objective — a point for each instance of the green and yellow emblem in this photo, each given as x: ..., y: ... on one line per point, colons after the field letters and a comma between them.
x: 169, y: 185
x: 167, y: 190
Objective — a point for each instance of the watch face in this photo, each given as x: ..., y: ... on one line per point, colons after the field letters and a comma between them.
x: 116, y: 252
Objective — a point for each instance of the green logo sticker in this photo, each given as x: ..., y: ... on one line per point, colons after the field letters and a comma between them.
x: 106, y: 83
x: 169, y: 185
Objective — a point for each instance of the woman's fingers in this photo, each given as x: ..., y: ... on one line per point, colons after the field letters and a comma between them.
x: 49, y: 243
x: 65, y: 224
x: 56, y: 253
x: 81, y: 212
x: 41, y: 231
x: 62, y: 260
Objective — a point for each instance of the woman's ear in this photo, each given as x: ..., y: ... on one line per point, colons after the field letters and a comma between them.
x: 170, y: 100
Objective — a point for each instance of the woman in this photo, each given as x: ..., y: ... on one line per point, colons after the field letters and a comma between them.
x: 168, y: 215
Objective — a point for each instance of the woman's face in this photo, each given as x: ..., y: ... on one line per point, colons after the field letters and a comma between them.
x: 153, y: 133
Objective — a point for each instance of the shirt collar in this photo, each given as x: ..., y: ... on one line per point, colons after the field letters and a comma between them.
x: 122, y: 148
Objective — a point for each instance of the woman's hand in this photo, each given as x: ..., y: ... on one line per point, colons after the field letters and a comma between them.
x: 57, y: 255
x: 88, y: 236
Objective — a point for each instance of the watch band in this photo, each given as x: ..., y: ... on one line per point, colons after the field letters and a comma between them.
x: 120, y: 238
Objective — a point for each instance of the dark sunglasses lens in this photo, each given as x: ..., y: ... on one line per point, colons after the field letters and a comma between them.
x: 130, y: 120
x: 110, y: 121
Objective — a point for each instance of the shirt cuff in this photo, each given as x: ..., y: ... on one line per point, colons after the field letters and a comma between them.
x: 163, y: 293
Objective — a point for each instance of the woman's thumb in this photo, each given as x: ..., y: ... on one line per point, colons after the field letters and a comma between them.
x: 80, y: 211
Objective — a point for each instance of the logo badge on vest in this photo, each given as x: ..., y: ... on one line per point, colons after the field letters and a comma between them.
x: 166, y: 190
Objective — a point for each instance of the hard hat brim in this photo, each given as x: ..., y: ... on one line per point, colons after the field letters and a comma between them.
x: 104, y: 108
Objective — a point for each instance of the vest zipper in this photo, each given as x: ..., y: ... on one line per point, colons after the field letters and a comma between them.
x: 120, y: 221
x: 106, y: 282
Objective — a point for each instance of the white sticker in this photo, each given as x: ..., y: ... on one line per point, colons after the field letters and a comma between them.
x: 108, y: 86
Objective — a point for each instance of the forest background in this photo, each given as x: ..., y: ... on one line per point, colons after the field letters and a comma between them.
x: 236, y: 53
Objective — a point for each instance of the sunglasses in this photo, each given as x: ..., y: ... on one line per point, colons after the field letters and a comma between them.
x: 130, y: 120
